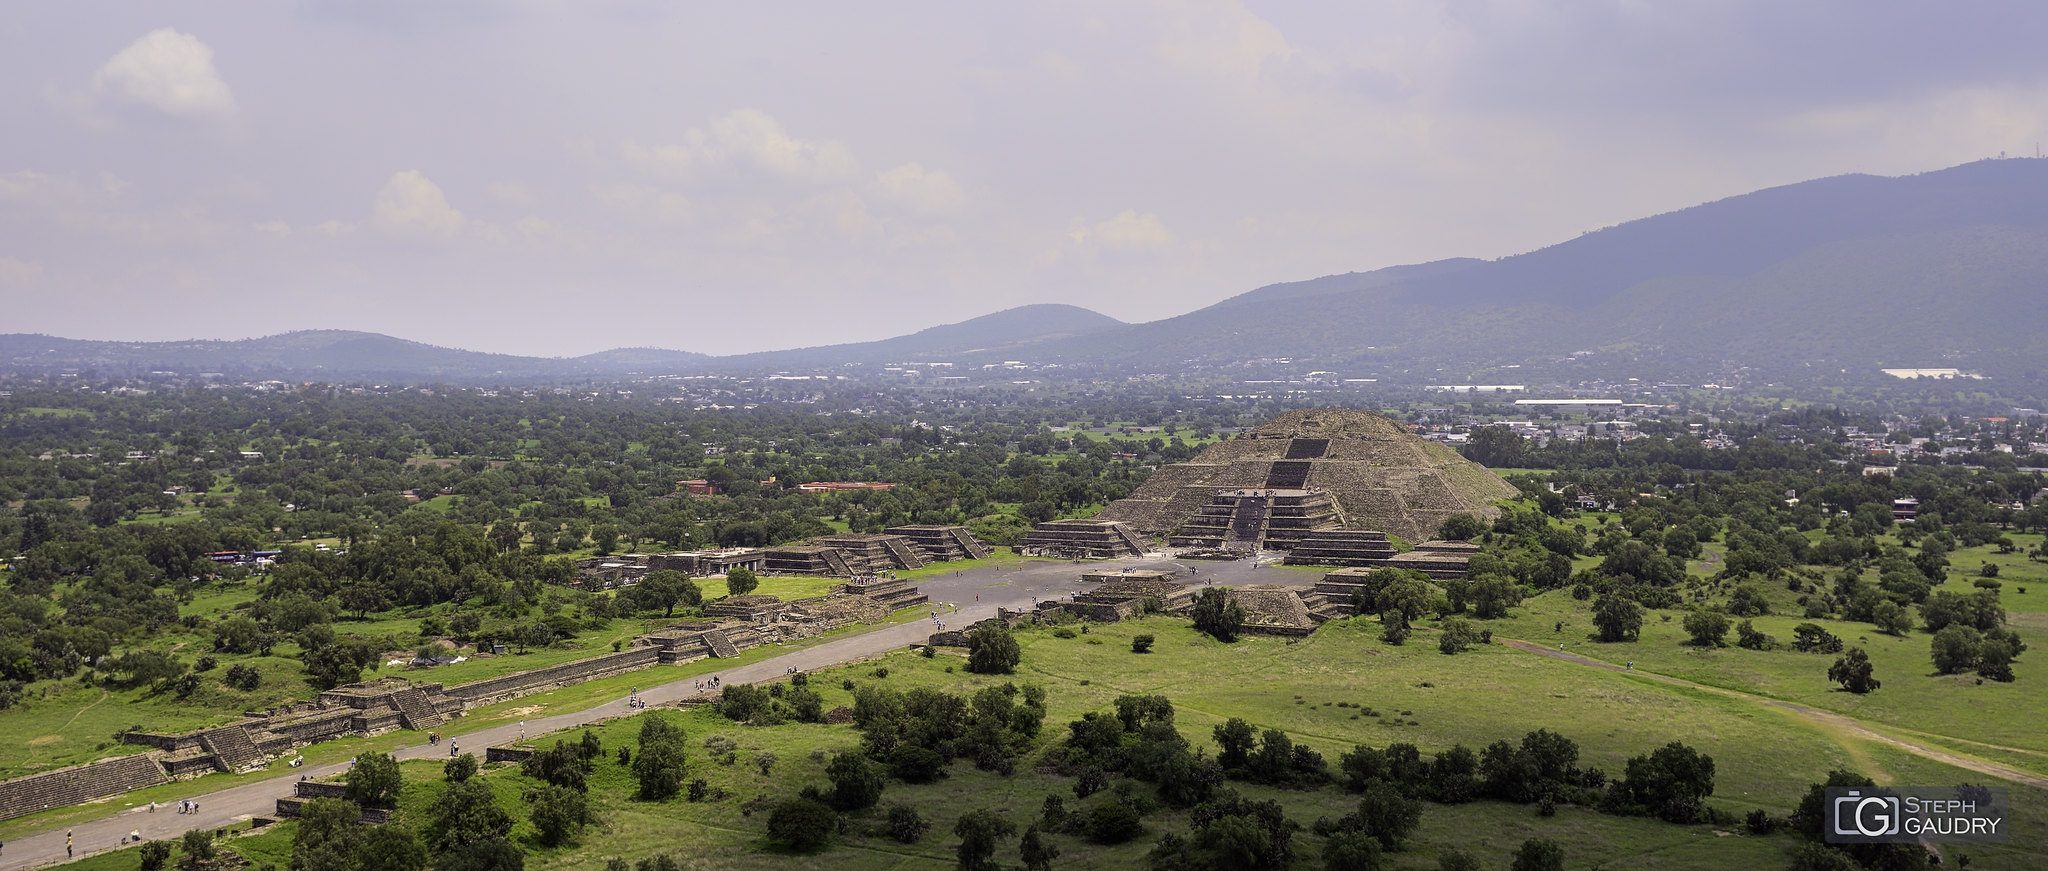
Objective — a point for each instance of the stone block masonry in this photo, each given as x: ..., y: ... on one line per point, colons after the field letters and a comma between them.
x: 77, y: 785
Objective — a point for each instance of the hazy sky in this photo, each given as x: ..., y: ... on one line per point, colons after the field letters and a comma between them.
x: 560, y: 178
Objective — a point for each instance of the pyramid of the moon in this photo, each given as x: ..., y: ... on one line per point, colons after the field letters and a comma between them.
x: 1373, y: 473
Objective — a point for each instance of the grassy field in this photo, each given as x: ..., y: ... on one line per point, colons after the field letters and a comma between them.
x: 1764, y: 757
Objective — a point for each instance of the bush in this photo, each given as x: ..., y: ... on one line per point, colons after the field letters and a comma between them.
x: 1113, y: 823
x: 1065, y: 632
x: 1141, y: 644
x: 154, y: 854
x: 801, y: 825
x: 1539, y: 854
x: 991, y: 650
x: 1217, y: 615
x: 460, y: 768
x: 905, y: 825
x: 1458, y: 634
x: 1707, y: 628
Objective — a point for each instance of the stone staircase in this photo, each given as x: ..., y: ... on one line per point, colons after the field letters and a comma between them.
x: 837, y: 562
x: 231, y: 748
x: 1247, y: 523
x: 721, y: 646
x: 904, y: 555
x: 415, y: 711
x: 1288, y: 475
x: 1307, y: 449
x: 973, y: 546
x: 1123, y: 531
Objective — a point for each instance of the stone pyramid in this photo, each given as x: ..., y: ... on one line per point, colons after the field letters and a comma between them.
x: 1382, y: 476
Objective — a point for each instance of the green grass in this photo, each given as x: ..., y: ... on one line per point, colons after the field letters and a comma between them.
x: 1764, y: 758
x: 1952, y: 710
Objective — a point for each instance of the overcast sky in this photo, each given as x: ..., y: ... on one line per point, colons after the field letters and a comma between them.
x: 561, y: 178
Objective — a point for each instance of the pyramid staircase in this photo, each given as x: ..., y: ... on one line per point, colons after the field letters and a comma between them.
x: 1123, y: 531
x: 1248, y: 523
x: 837, y: 561
x: 231, y: 748
x: 1307, y: 449
x: 1288, y: 474
x: 903, y: 554
x: 721, y: 646
x: 415, y: 711
x: 973, y: 546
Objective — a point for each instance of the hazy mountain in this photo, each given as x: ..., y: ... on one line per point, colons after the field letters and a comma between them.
x: 1946, y: 268
x: 1021, y: 330
x: 316, y: 354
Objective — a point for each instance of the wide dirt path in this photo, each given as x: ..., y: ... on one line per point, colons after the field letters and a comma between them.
x: 1827, y: 720
x: 976, y: 593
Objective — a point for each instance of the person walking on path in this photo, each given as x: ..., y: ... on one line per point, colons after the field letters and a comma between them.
x: 67, y: 844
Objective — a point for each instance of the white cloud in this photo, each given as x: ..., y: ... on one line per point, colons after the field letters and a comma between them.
x: 412, y: 205
x: 511, y: 192
x: 171, y: 72
x: 1128, y: 230
x: 913, y: 187
x: 751, y: 139
x: 19, y: 273
x: 274, y: 228
x: 642, y: 203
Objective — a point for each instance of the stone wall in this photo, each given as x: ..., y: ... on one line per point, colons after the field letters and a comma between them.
x: 513, y: 685
x: 77, y: 785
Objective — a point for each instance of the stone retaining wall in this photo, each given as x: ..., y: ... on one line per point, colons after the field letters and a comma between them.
x: 514, y: 685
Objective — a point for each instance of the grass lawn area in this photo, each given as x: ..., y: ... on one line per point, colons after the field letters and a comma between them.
x: 1953, y: 710
x: 1763, y: 758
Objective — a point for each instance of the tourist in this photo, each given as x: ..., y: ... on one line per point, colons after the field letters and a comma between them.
x: 152, y: 807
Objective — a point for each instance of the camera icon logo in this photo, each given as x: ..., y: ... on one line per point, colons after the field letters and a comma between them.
x: 1868, y: 816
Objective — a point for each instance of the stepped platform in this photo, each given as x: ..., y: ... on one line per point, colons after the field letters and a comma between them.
x: 753, y: 608
x: 1081, y: 539
x: 808, y: 560
x: 943, y: 543
x: 231, y: 748
x: 1340, y: 547
x: 867, y: 554
x: 1271, y: 610
x: 1124, y: 599
x: 890, y: 593
x: 1113, y: 576
x: 415, y: 711
x: 1251, y: 519
x: 721, y: 646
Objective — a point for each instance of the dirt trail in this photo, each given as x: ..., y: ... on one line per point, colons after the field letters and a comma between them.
x: 1827, y: 720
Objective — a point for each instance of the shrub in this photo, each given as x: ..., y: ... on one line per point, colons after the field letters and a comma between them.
x: 1707, y: 628
x: 1065, y: 632
x: 801, y: 824
x: 991, y: 650
x: 905, y: 825
x: 1113, y: 823
x: 1141, y: 644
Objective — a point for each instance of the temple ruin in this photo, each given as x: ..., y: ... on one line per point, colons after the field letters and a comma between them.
x: 1082, y: 539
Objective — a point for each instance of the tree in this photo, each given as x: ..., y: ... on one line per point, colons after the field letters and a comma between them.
x: 661, y: 764
x: 741, y: 581
x: 374, y: 781
x: 1708, y: 629
x: 1234, y: 738
x: 979, y: 831
x: 906, y: 825
x: 1461, y: 527
x: 1954, y: 649
x: 1354, y: 851
x: 1748, y: 637
x: 1672, y: 782
x: 1217, y: 615
x: 1492, y: 595
x: 1811, y: 638
x: 330, y: 834
x: 559, y: 814
x: 1892, y: 618
x: 1387, y: 815
x: 1456, y: 635
x: 492, y: 854
x: 1141, y: 643
x: 1617, y: 617
x: 801, y: 824
x: 154, y: 854
x: 1854, y: 673
x: 1539, y: 854
x: 463, y: 818
x: 1113, y: 823
x: 1402, y: 601
x: 667, y: 588
x: 1036, y: 851
x: 460, y: 768
x: 857, y: 782
x: 392, y: 848
x: 991, y: 650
